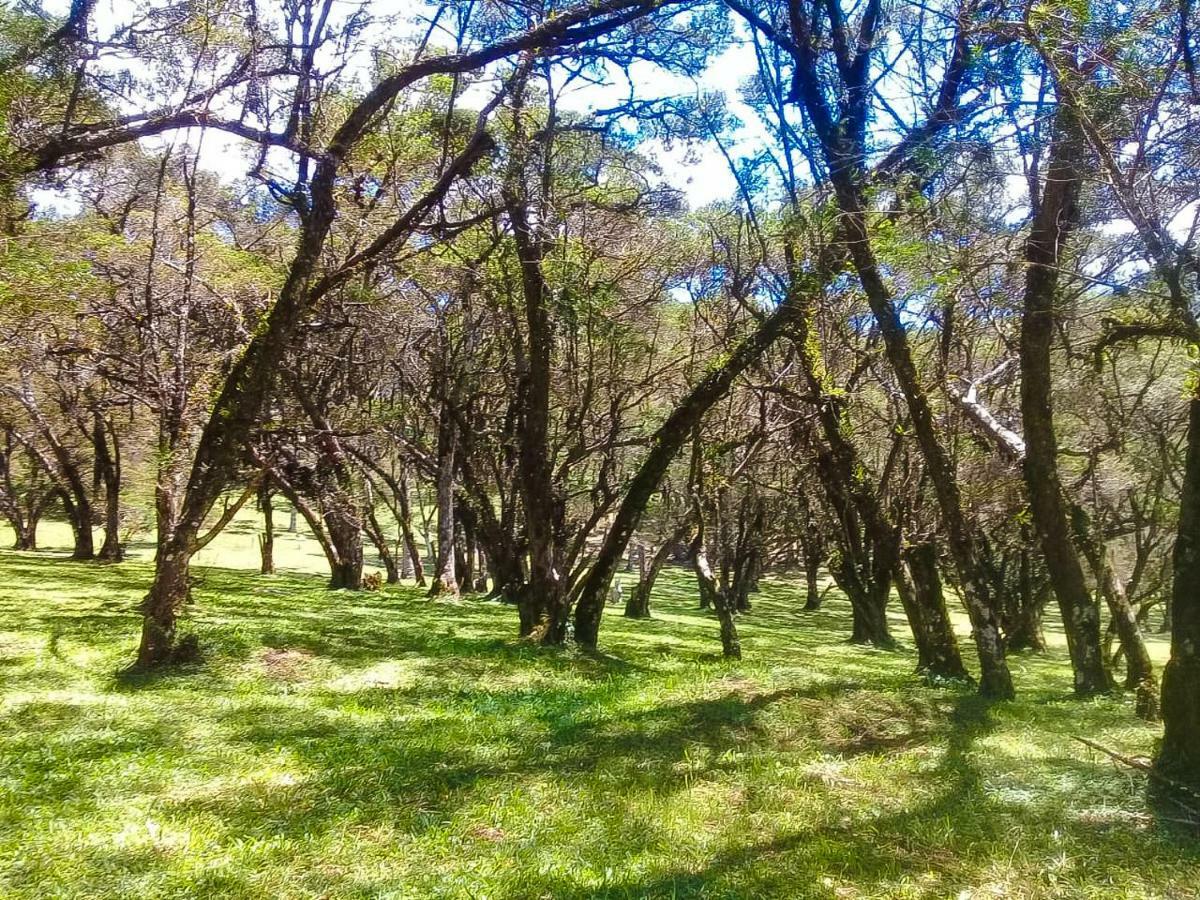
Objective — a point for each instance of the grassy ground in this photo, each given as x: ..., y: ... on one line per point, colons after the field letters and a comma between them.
x: 379, y: 745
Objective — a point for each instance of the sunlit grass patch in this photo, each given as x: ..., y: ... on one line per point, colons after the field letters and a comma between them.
x: 379, y: 745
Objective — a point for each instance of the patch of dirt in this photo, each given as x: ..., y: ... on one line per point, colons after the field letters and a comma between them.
x: 741, y: 686
x: 869, y: 722
x: 286, y: 665
x: 488, y: 833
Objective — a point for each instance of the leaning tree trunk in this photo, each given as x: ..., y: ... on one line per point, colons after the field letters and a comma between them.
x: 1139, y: 669
x: 995, y: 678
x: 382, y: 545
x: 665, y: 445
x: 638, y: 604
x: 842, y: 135
x: 406, y: 529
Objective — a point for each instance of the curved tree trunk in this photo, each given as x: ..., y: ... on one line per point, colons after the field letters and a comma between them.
x: 638, y: 604
x: 712, y: 595
x: 665, y: 446
x: 379, y: 539
x: 842, y: 135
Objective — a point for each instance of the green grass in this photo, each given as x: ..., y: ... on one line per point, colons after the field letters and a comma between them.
x: 380, y: 745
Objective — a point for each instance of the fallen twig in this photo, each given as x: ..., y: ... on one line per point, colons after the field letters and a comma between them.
x: 1146, y: 767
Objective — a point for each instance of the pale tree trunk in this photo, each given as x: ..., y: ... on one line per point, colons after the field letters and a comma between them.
x: 713, y: 595
x: 445, y: 581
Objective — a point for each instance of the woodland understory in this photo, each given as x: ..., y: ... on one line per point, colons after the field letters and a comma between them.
x: 383, y: 276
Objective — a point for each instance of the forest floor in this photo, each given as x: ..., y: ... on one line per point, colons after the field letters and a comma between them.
x: 382, y: 745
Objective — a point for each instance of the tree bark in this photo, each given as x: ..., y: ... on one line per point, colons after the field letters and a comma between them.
x: 842, y: 142
x: 1179, y: 753
x: 713, y: 595
x: 1139, y: 669
x: 266, y: 540
x: 410, y: 539
x: 445, y: 581
x: 937, y: 646
x: 379, y: 538
x: 546, y: 590
x: 1056, y: 215
x: 108, y: 468
x: 1023, y: 617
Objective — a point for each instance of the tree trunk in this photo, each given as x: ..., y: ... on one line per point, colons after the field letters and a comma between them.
x: 266, y: 540
x: 1179, y: 754
x: 545, y: 592
x: 937, y: 646
x: 712, y: 595
x: 410, y: 539
x: 108, y: 471
x: 464, y: 558
x: 26, y: 535
x: 842, y: 141
x: 1023, y: 613
x: 995, y: 678
x: 345, y: 533
x: 665, y: 445
x: 1139, y: 669
x: 813, y: 550
x: 379, y: 539
x: 1056, y: 215
x: 445, y: 581
x: 638, y: 604
x: 168, y: 593
x: 80, y: 517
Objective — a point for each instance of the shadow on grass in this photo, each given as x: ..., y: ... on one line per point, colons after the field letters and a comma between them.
x: 471, y: 717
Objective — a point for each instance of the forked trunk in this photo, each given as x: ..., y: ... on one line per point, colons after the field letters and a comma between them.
x: 937, y: 646
x: 712, y: 595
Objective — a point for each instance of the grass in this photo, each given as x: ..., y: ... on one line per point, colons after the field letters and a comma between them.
x: 380, y: 745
